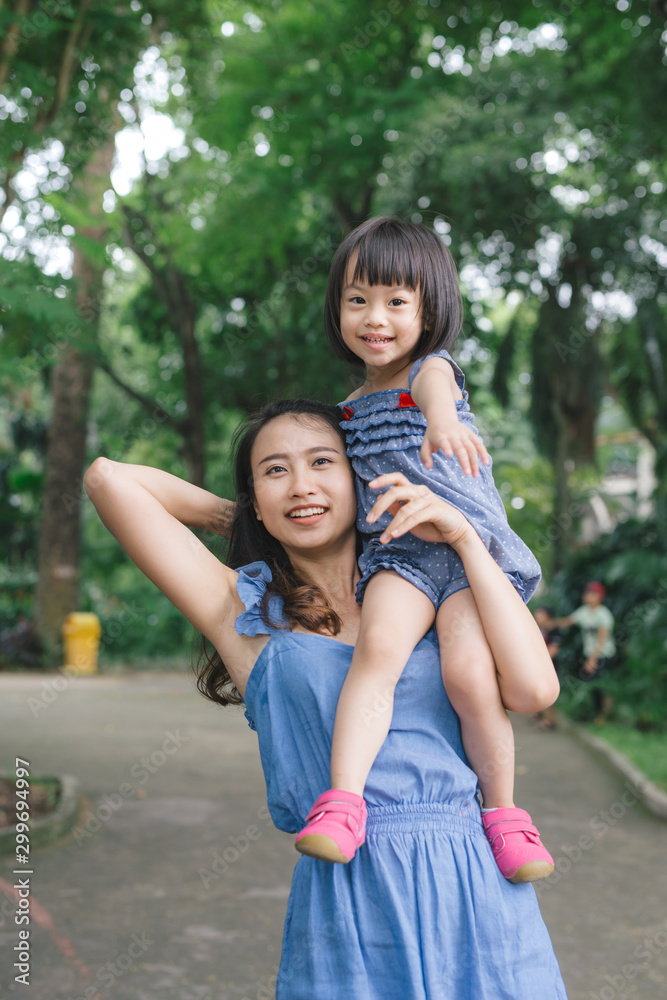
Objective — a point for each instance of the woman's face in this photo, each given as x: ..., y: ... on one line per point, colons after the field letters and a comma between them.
x: 303, y: 484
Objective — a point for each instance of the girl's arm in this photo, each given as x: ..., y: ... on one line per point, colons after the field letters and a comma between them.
x: 434, y: 391
x: 526, y: 675
x: 147, y: 510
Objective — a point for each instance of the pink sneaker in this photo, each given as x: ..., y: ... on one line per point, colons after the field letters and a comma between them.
x: 516, y: 845
x: 336, y: 827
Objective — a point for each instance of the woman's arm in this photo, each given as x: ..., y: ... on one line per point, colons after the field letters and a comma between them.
x: 147, y: 510
x: 526, y: 674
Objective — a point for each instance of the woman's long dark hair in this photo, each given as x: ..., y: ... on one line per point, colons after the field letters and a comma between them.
x: 304, y: 604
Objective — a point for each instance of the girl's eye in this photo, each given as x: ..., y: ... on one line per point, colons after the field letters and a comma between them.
x: 358, y: 300
x: 397, y: 302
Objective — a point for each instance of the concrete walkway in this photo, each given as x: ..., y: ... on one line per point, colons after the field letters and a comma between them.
x: 174, y: 883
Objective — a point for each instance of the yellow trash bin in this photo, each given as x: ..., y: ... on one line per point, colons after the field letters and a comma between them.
x: 81, y: 637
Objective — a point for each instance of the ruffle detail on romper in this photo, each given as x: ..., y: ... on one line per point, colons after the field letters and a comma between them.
x: 372, y: 431
x: 251, y: 585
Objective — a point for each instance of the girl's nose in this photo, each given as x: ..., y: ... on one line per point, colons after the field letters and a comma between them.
x: 376, y: 317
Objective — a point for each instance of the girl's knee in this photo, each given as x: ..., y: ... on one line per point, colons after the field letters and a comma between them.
x: 380, y: 651
x: 469, y: 675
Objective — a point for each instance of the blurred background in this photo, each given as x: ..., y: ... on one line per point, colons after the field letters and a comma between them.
x: 175, y: 178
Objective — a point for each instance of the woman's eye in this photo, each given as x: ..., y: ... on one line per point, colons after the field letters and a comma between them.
x: 325, y: 460
x: 275, y: 468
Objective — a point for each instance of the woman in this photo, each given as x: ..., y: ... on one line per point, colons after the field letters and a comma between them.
x: 422, y: 912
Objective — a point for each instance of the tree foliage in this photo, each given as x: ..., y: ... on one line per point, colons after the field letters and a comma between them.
x: 530, y: 135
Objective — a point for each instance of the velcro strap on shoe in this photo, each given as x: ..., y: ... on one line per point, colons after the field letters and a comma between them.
x: 511, y: 826
x: 333, y: 806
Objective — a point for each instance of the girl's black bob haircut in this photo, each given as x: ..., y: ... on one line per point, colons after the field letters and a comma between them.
x: 388, y: 251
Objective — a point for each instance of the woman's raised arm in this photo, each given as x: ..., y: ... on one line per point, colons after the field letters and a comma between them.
x: 147, y: 510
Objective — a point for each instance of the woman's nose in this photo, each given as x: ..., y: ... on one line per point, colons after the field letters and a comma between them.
x: 301, y: 483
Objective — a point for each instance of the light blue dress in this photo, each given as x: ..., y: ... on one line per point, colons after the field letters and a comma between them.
x: 383, y: 433
x: 422, y: 911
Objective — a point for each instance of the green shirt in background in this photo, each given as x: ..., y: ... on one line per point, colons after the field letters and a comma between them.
x: 590, y: 620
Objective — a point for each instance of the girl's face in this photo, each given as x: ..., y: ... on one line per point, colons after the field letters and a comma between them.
x: 303, y: 485
x: 381, y: 324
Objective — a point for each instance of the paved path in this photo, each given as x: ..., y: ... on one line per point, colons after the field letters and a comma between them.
x: 174, y: 885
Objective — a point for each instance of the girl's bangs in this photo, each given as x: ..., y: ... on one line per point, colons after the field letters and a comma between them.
x: 387, y: 259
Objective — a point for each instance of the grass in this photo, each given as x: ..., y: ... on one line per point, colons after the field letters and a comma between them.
x: 647, y: 751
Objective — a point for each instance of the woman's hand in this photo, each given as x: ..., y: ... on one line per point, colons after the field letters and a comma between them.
x: 455, y: 439
x: 221, y: 521
x: 418, y: 510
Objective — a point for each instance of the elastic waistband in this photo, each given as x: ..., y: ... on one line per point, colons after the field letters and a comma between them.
x: 411, y: 817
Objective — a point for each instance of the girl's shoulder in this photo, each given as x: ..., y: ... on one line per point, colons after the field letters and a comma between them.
x: 458, y: 376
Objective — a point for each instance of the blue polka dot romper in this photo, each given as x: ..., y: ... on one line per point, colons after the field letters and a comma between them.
x: 384, y: 432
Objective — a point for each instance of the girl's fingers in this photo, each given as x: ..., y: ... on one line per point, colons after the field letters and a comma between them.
x: 462, y: 455
x: 425, y: 453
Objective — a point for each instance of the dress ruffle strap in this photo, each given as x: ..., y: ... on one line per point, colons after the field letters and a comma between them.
x: 251, y: 585
x: 458, y: 374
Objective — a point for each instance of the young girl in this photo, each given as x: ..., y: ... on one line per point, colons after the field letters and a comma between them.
x: 393, y: 304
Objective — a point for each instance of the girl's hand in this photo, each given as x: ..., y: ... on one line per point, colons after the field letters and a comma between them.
x: 418, y: 510
x: 454, y: 439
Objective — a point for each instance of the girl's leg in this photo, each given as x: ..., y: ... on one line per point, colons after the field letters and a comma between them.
x: 394, y: 617
x: 469, y: 676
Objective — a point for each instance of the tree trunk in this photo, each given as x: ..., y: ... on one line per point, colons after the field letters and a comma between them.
x: 59, y: 540
x: 57, y: 591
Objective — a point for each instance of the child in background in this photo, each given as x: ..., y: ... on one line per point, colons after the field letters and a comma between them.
x: 597, y: 627
x: 393, y: 305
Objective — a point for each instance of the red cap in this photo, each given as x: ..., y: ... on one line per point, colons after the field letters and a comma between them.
x: 596, y: 588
